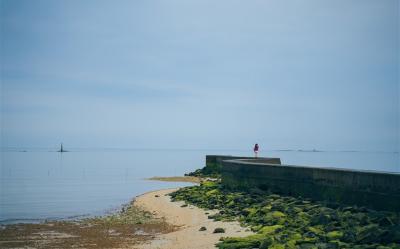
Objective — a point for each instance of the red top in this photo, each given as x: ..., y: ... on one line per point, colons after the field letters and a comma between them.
x: 256, y: 147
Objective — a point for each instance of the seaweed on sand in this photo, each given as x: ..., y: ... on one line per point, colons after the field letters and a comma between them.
x: 289, y: 222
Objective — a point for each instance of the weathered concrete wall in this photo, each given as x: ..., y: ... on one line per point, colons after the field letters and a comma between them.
x: 377, y: 190
x: 214, y: 163
x: 217, y: 159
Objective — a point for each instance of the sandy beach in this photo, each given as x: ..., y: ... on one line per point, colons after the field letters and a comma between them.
x: 173, y: 226
x: 189, y: 219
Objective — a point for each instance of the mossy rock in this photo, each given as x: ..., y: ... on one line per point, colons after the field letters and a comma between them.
x: 316, y: 230
x: 334, y: 235
x: 277, y: 246
x: 212, y: 192
x: 209, y: 184
x: 294, y: 223
x: 269, y: 229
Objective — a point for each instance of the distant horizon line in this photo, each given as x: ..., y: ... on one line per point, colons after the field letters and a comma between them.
x: 71, y: 149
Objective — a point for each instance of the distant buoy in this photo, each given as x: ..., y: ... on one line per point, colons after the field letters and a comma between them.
x: 62, y: 149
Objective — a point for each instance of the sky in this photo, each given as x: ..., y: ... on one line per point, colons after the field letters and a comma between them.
x: 201, y: 74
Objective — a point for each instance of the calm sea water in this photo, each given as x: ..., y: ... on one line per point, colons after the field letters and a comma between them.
x: 37, y: 185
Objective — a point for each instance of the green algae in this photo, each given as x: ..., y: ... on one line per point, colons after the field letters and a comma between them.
x: 293, y: 223
x: 334, y: 235
x: 212, y: 170
x: 130, y: 215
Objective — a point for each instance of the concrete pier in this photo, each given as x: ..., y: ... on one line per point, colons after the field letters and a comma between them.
x: 373, y: 189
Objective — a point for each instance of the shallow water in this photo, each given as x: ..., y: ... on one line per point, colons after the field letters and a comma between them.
x: 37, y: 185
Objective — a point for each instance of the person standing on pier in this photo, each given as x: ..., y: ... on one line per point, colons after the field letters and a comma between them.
x: 256, y: 150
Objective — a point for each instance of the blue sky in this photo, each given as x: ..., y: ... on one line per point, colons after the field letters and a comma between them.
x: 200, y: 74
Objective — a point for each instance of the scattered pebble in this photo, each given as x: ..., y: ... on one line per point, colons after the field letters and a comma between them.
x: 219, y: 230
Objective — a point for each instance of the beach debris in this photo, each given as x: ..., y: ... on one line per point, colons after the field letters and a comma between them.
x: 202, y: 229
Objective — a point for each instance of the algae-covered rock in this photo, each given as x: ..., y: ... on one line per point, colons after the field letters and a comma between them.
x: 317, y: 230
x: 320, y: 219
x: 334, y: 235
x: 269, y: 229
x: 293, y: 223
x: 368, y: 233
x: 239, y: 243
x: 211, y: 192
x: 306, y: 245
x: 277, y: 246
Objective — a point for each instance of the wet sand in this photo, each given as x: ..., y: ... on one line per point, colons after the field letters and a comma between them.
x: 120, y: 230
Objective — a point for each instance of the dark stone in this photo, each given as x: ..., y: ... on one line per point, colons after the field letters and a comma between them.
x: 219, y: 230
x: 202, y: 229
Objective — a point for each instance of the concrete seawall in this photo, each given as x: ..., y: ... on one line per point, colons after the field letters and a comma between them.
x: 217, y: 159
x: 376, y: 190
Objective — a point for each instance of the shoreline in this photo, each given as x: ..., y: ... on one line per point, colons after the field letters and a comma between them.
x: 125, y: 227
x: 107, y: 212
x: 182, y: 218
x: 173, y: 225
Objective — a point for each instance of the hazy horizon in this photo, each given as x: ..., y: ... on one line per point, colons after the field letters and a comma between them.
x: 200, y: 74
x: 54, y: 148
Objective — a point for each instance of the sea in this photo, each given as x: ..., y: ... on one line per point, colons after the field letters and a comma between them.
x: 42, y: 184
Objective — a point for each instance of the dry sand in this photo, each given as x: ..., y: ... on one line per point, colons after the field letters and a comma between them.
x: 190, y: 219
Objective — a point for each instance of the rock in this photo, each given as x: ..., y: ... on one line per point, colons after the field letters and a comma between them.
x: 330, y: 245
x: 392, y: 235
x: 307, y: 245
x: 219, y: 230
x: 334, y: 235
x: 265, y: 244
x: 202, y: 229
x: 368, y: 233
x: 156, y: 196
x: 269, y: 229
x: 351, y: 209
x: 322, y: 219
x: 385, y: 221
x: 294, y: 223
x: 349, y: 236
